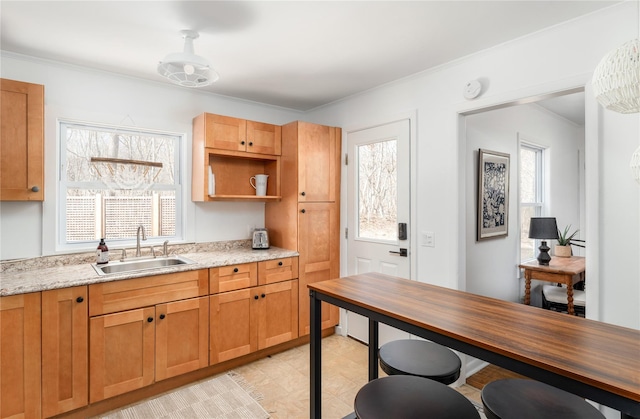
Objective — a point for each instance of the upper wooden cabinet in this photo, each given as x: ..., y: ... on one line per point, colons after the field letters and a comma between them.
x: 318, y: 149
x: 233, y: 134
x: 21, y: 141
x: 234, y: 150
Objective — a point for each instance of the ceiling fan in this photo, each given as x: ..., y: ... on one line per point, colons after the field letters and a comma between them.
x: 186, y: 68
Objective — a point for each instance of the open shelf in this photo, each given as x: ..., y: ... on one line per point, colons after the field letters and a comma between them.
x: 232, y: 172
x: 266, y: 198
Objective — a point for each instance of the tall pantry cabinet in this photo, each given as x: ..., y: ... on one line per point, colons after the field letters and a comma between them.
x: 307, y: 219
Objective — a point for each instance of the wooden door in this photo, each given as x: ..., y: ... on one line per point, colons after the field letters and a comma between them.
x: 264, y: 138
x: 121, y: 352
x: 182, y: 337
x: 21, y: 141
x: 65, y: 350
x: 226, y: 133
x: 20, y: 356
x: 233, y: 330
x: 318, y: 162
x: 319, y: 260
x: 278, y: 313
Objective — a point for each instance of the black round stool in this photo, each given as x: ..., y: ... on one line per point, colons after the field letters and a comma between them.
x: 420, y: 358
x: 407, y: 396
x: 528, y: 399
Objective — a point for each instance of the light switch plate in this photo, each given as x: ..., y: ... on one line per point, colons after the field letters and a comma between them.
x: 428, y: 239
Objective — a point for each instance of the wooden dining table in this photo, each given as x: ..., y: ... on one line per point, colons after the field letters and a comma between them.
x: 594, y: 360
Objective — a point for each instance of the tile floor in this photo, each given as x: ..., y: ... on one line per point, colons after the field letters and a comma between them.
x: 283, y: 379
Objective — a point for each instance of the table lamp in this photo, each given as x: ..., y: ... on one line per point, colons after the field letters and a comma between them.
x: 543, y: 228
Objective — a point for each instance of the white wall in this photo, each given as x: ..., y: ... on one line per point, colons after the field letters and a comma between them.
x: 29, y: 229
x: 491, y: 265
x: 557, y: 59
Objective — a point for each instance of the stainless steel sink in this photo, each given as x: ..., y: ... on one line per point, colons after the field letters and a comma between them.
x: 136, y: 265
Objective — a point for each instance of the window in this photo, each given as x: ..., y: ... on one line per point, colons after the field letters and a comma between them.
x: 112, y: 180
x: 531, y: 196
x: 378, y: 195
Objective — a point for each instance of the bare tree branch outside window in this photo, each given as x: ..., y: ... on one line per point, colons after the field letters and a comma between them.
x: 378, y: 195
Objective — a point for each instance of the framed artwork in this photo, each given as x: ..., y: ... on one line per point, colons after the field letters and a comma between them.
x: 493, y: 194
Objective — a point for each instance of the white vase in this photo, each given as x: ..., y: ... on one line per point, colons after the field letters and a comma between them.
x: 562, y: 251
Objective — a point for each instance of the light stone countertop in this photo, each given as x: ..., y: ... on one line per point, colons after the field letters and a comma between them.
x: 40, y: 277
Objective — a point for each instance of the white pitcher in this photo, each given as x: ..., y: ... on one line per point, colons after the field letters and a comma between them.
x: 260, y: 184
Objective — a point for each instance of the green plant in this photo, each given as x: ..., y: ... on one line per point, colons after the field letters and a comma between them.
x: 564, y: 238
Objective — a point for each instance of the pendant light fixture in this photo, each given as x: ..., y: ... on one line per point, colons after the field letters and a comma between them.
x: 185, y: 68
x: 616, y: 80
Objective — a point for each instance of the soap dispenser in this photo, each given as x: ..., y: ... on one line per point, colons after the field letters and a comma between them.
x: 102, y: 253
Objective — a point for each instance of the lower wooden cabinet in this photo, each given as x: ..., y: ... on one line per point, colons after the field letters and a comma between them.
x: 65, y: 350
x: 122, y: 352
x: 182, y: 337
x: 318, y: 244
x: 134, y: 348
x: 20, y: 356
x: 251, y: 319
x: 278, y: 313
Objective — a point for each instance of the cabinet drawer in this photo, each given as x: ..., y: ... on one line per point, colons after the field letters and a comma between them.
x: 234, y: 277
x: 111, y: 297
x: 277, y: 270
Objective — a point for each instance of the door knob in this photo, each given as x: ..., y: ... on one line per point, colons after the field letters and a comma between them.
x: 35, y: 189
x: 403, y: 252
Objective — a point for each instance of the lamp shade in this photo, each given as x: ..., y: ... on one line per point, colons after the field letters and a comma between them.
x: 616, y: 80
x: 543, y: 228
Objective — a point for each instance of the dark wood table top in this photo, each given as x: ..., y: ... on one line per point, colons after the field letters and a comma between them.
x: 601, y: 355
x: 572, y: 265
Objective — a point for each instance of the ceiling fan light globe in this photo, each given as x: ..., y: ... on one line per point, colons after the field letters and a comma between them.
x: 188, y: 69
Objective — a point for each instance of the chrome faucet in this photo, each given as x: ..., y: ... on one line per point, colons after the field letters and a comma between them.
x: 144, y: 237
x: 165, y: 251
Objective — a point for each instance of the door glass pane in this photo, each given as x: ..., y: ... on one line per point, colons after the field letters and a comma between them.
x: 378, y: 194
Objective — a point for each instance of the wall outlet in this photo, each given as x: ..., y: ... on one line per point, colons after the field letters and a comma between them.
x: 428, y: 238
x: 250, y: 229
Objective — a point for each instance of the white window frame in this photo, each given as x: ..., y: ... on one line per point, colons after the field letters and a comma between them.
x: 63, y: 184
x: 539, y: 204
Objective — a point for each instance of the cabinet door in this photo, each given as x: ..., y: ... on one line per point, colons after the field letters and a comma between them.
x: 318, y: 162
x: 182, y: 337
x: 319, y: 259
x: 20, y: 356
x: 278, y: 313
x: 226, y: 133
x: 21, y: 141
x: 233, y: 327
x: 121, y: 352
x: 65, y: 350
x: 264, y: 138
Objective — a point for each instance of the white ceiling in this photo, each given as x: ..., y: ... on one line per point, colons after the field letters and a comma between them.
x: 295, y: 54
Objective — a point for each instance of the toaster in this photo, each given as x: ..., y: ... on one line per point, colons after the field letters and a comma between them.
x: 260, y: 239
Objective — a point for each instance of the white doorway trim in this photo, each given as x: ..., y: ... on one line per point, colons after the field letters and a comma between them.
x: 571, y: 85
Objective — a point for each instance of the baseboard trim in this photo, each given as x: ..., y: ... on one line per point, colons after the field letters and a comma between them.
x: 474, y: 365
